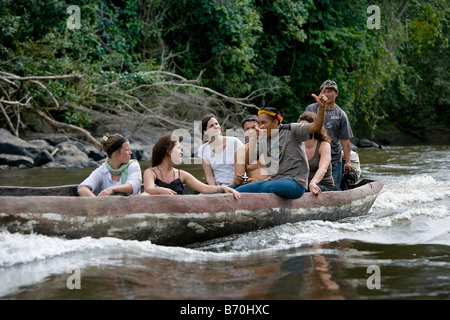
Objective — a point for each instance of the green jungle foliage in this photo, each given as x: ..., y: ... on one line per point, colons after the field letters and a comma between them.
x: 274, y: 52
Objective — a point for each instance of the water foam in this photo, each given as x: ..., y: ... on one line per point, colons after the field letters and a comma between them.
x: 409, y: 211
x: 16, y: 249
x: 413, y: 191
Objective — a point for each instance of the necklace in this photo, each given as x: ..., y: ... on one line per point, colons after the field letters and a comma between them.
x: 162, y: 177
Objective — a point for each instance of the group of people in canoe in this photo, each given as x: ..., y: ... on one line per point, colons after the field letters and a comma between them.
x: 285, y: 159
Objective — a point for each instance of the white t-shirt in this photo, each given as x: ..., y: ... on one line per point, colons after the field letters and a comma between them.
x: 221, y: 164
x: 100, y: 178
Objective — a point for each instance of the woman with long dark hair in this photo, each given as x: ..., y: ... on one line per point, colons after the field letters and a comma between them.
x: 119, y: 174
x: 163, y: 178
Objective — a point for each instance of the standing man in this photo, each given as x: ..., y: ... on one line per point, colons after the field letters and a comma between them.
x: 338, y: 128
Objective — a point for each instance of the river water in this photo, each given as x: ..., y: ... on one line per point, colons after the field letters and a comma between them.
x: 401, y: 250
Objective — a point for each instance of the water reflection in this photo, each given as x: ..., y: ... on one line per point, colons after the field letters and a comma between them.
x: 291, y: 274
x: 330, y: 270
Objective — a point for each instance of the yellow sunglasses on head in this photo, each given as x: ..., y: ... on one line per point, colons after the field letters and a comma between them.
x: 270, y: 113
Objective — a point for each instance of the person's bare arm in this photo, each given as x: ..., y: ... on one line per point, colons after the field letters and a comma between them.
x: 123, y: 188
x: 201, y: 187
x: 85, y: 191
x: 347, y: 151
x: 325, y: 160
x: 320, y: 119
x: 208, y: 173
x: 239, y: 165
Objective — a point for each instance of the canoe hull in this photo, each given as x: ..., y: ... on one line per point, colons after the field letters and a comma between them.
x: 175, y: 220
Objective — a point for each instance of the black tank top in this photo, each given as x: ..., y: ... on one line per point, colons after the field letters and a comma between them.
x: 176, y: 185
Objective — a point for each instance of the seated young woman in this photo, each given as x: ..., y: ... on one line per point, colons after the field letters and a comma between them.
x: 318, y: 152
x: 119, y: 174
x: 218, y: 154
x: 163, y: 178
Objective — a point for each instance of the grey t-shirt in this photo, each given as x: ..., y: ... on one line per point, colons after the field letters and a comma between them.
x: 337, y: 126
x: 285, y: 153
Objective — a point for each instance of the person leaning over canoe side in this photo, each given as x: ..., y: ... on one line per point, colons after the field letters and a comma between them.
x: 163, y: 178
x: 218, y: 154
x: 318, y: 152
x: 286, y: 157
x: 246, y: 172
x: 119, y: 174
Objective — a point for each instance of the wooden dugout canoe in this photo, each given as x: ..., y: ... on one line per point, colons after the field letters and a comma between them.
x: 170, y: 220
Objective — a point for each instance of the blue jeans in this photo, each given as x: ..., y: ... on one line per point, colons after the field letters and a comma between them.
x: 287, y: 188
x: 336, y: 172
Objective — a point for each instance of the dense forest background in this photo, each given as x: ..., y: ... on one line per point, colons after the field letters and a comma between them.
x: 165, y: 63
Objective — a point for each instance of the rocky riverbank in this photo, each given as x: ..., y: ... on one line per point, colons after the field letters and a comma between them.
x: 57, y: 150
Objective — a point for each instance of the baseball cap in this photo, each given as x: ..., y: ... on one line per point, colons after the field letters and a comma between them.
x: 329, y: 84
